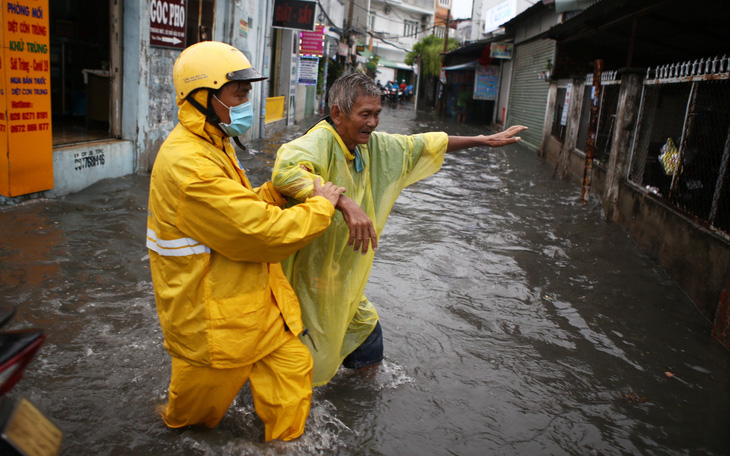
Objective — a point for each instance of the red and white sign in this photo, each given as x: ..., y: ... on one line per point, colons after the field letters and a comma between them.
x: 312, y: 43
x: 168, y: 21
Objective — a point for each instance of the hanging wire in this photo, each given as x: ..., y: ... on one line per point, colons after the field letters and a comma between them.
x: 375, y: 34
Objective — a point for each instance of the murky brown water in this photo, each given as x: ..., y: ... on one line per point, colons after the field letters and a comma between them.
x: 516, y: 322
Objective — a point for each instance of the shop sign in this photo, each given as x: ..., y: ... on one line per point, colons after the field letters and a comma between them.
x: 498, y: 15
x: 294, y: 14
x: 486, y: 83
x: 308, y: 70
x: 500, y: 50
x: 26, y: 142
x: 312, y: 43
x: 168, y: 23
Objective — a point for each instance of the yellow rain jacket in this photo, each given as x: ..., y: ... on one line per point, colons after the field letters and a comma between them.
x: 215, y: 244
x: 328, y: 276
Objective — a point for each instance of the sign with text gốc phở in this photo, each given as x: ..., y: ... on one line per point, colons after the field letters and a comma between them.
x: 294, y: 14
x: 168, y: 23
x: 26, y: 143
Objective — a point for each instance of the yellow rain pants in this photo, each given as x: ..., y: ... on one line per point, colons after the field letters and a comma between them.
x: 222, y: 298
x: 327, y: 275
x: 281, y: 386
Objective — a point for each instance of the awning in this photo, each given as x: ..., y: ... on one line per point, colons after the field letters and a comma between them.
x: 464, y: 66
x: 367, y: 54
x: 562, y: 6
x: 642, y: 33
x: 391, y: 64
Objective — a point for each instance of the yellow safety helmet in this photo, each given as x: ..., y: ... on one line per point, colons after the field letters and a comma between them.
x: 210, y: 65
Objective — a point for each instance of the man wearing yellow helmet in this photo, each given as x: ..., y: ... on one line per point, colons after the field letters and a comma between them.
x: 226, y: 310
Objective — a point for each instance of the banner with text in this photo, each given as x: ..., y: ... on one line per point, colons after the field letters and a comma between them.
x: 486, y: 82
x: 168, y: 23
x: 312, y: 43
x: 26, y: 143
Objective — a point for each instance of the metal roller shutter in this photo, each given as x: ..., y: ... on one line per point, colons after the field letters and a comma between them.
x: 528, y: 96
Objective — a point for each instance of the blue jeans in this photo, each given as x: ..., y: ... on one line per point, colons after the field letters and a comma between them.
x: 369, y: 352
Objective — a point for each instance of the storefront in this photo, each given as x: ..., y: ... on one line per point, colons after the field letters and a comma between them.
x: 98, y: 84
x: 529, y: 92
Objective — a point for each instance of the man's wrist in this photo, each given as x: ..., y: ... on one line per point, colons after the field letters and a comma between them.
x: 341, y: 203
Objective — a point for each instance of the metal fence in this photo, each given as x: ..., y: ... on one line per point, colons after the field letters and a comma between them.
x: 682, y: 138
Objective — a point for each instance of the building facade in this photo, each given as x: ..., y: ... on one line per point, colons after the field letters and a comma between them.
x: 387, y: 30
x: 108, y: 82
x: 640, y: 117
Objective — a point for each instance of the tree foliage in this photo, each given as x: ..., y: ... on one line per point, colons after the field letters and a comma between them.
x: 429, y: 49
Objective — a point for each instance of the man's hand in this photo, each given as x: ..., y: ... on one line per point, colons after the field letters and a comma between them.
x: 362, y: 231
x: 505, y: 137
x: 329, y: 191
x: 496, y: 140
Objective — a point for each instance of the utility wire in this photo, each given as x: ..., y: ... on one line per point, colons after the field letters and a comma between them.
x: 376, y: 35
x: 392, y: 36
x: 323, y: 11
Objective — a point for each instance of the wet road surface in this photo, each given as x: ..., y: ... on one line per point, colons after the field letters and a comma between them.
x: 516, y: 322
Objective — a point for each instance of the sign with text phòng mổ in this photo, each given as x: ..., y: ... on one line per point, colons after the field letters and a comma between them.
x: 26, y: 144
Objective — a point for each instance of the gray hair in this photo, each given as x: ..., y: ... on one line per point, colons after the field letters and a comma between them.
x: 347, y: 88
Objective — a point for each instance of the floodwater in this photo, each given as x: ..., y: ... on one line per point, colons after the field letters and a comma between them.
x: 516, y: 322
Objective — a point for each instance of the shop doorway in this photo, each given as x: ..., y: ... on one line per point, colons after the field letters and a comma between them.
x: 82, y: 85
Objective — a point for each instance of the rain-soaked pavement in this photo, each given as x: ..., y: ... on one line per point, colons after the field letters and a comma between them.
x: 516, y: 322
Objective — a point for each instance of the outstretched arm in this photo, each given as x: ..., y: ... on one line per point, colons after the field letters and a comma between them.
x: 496, y: 140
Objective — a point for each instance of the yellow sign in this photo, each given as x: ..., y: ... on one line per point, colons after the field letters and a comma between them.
x: 31, y: 433
x: 26, y: 143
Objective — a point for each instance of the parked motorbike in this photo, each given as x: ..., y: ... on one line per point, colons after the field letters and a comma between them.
x: 394, y: 96
x: 24, y: 430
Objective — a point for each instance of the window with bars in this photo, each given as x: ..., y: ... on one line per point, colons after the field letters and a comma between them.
x: 410, y: 28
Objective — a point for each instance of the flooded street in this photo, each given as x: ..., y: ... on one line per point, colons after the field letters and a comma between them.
x: 516, y: 322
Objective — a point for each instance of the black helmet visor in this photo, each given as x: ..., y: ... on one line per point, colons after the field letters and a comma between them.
x: 249, y: 74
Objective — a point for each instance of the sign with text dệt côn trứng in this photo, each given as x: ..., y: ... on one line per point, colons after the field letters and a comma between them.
x: 26, y: 142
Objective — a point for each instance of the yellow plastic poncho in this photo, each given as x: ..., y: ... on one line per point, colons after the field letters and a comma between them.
x: 328, y: 276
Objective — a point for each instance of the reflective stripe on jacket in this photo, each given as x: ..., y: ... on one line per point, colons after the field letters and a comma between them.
x: 215, y: 244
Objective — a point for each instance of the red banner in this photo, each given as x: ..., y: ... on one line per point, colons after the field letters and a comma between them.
x: 312, y: 43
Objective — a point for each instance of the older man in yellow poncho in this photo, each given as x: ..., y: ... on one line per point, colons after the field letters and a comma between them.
x: 329, y: 275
